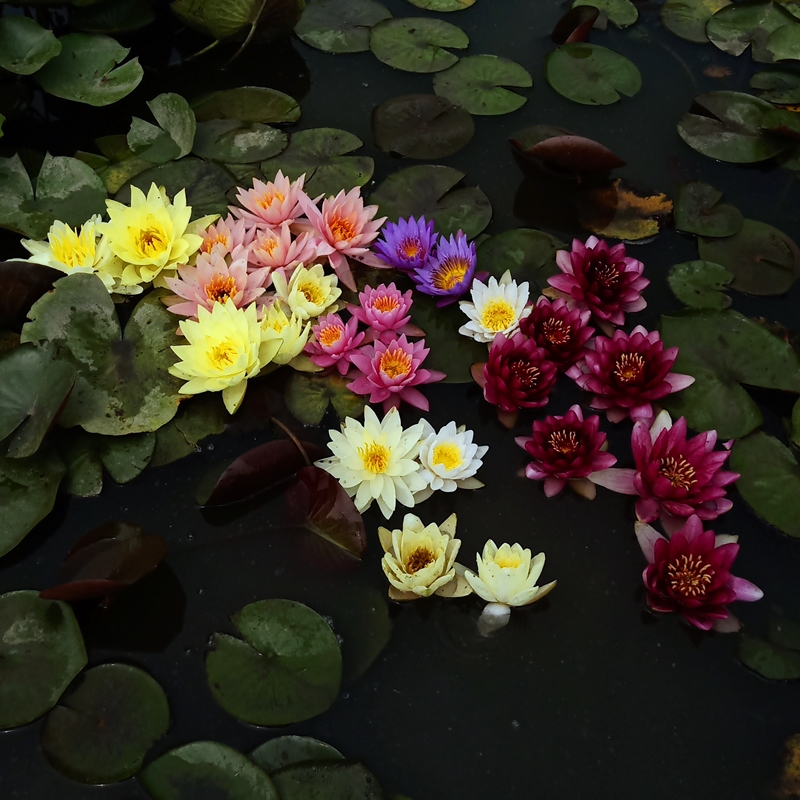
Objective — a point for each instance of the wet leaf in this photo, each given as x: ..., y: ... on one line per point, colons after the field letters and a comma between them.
x: 113, y: 16
x: 736, y: 27
x: 286, y: 750
x: 769, y: 661
x: 770, y: 480
x: 287, y: 669
x: 590, y: 74
x: 231, y: 142
x: 176, y: 119
x: 151, y: 143
x: 421, y: 126
x: 321, y: 154
x: 476, y: 83
x: 125, y: 456
x: 225, y: 18
x: 416, y: 44
x: 41, y: 651
x: 575, y: 25
x: 697, y: 211
x: 84, y: 70
x: 25, y: 46
x: 424, y: 191
x: 247, y: 104
x: 206, y: 769
x: 698, y: 284
x: 308, y: 396
x: 621, y: 13
x: 340, y: 26
x: 722, y: 350
x: 783, y: 122
x: 334, y: 780
x: 777, y: 86
x: 442, y: 5
x: 763, y: 260
x: 529, y: 255
x: 105, y: 723
x: 84, y: 476
x: 203, y: 416
x: 784, y: 42
x: 688, y: 18
x: 573, y: 154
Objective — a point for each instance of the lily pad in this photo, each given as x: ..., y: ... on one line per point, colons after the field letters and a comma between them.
x: 768, y: 660
x: 770, y: 480
x: 529, y: 255
x: 284, y: 751
x: 722, y: 350
x: 763, y: 260
x: 176, y: 119
x: 621, y: 13
x: 247, y: 104
x: 777, y: 86
x: 340, y: 26
x: 202, y: 417
x: 25, y: 46
x: 308, y: 397
x: 224, y: 18
x: 321, y: 154
x: 688, y: 18
x: 590, y: 74
x: 231, y: 142
x: 738, y: 26
x: 795, y: 422
x: 783, y: 631
x: 476, y: 84
x: 416, y: 44
x: 287, y: 669
x: 206, y: 769
x: 41, y: 651
x: 697, y: 211
x: 84, y: 70
x: 442, y: 5
x: 105, y: 723
x: 421, y: 126
x: 784, y: 42
x: 84, y: 476
x: 424, y: 190
x: 333, y: 780
x: 699, y: 283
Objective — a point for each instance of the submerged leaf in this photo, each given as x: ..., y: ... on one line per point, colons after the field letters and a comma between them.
x: 247, y: 104
x: 688, y: 18
x: 286, y: 750
x: 340, y: 26
x: 697, y: 211
x: 590, y: 74
x: 25, y: 46
x: 204, y: 416
x: 768, y: 660
x: 698, y: 284
x: 417, y: 44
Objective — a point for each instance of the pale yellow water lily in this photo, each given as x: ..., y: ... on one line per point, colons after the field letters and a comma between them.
x: 419, y: 560
x: 291, y: 333
x: 309, y: 292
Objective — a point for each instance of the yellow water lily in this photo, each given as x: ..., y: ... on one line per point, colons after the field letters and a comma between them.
x: 309, y: 292
x: 291, y: 333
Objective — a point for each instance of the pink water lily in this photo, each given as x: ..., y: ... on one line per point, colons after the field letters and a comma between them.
x: 227, y: 236
x: 334, y: 342
x: 271, y: 203
x: 386, y: 311
x: 276, y: 248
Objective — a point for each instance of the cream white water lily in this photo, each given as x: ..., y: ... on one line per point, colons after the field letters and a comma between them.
x: 419, y: 560
x: 496, y: 307
x: 376, y: 461
x: 309, y: 292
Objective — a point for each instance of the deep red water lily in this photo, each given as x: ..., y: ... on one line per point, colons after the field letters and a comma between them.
x: 627, y: 372
x: 690, y: 574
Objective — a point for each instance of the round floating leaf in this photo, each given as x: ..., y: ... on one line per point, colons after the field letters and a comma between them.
x: 421, y: 126
x: 320, y: 154
x: 784, y: 42
x: 735, y: 27
x: 527, y: 253
x: 424, y: 191
x: 688, y: 18
x: 334, y: 780
x: 622, y: 13
x: 417, y: 44
x: 783, y: 631
x: 698, y: 284
x: 777, y: 86
x: 763, y: 260
x: 125, y: 456
x: 340, y: 26
x: 697, y: 211
x: 231, y: 142
x: 770, y: 480
x: 308, y: 397
x: 104, y: 725
x: 225, y: 18
x: 768, y: 660
x: 84, y: 70
x: 25, y: 46
x: 247, y: 104
x: 442, y: 5
x: 173, y: 113
x: 286, y: 750
x: 41, y: 651
x: 206, y: 769
x: 288, y: 668
x: 590, y: 74
x: 476, y: 83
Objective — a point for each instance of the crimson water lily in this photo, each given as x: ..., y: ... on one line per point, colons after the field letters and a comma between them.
x: 386, y: 311
x: 690, y: 574
x: 406, y: 244
x: 334, y: 342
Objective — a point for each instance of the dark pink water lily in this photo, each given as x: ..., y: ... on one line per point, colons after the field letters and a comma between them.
x: 690, y: 574
x: 334, y: 342
x: 627, y: 372
x: 386, y: 311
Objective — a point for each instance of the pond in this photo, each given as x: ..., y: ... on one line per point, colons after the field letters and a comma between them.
x: 584, y: 693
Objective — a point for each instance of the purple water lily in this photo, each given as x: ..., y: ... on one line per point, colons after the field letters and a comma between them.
x: 406, y: 244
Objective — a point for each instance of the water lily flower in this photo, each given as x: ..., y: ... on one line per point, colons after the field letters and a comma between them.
x: 272, y: 203
x: 274, y: 248
x: 385, y: 310
x: 690, y: 574
x: 308, y: 292
x: 291, y: 333
x: 601, y: 278
x: 376, y: 461
x: 391, y: 371
x: 496, y: 307
x: 406, y: 244
x: 449, y: 460
x: 627, y: 372
x: 448, y: 274
x: 566, y: 450
x: 334, y: 342
x: 229, y: 237
x: 419, y: 560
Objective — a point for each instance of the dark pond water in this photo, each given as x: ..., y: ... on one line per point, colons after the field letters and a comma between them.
x: 584, y: 695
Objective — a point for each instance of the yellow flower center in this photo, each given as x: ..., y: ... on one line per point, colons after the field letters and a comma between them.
x: 151, y: 242
x: 342, y: 229
x: 220, y: 288
x: 629, y: 368
x: 312, y: 292
x: 267, y: 244
x: 266, y: 199
x: 564, y: 442
x: 448, y: 454
x: 395, y: 363
x: 689, y: 575
x: 508, y: 561
x: 556, y: 332
x: 525, y: 372
x: 223, y: 354
x: 385, y: 304
x: 210, y: 241
x: 331, y: 334
x: 679, y: 472
x: 419, y: 559
x: 375, y: 457
x: 497, y: 315
x: 411, y: 248
x: 74, y: 249
x: 450, y: 273
x: 607, y: 275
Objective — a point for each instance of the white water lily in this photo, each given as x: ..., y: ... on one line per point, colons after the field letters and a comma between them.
x: 496, y: 307
x: 309, y: 292
x: 376, y: 461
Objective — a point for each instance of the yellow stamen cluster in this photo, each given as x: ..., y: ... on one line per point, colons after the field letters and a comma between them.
x: 375, y: 457
x: 689, y: 575
x: 678, y: 471
x: 449, y: 273
x: 395, y: 363
x: 497, y: 315
x: 629, y: 368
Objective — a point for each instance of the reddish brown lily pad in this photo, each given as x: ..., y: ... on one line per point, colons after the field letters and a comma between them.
x: 575, y: 25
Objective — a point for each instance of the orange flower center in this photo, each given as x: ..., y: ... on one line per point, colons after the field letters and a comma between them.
x: 266, y: 199
x: 679, y: 472
x: 564, y: 442
x: 525, y: 372
x: 556, y: 332
x: 211, y: 241
x: 330, y: 334
x: 419, y: 559
x: 689, y: 575
x: 411, y: 248
x: 607, y: 275
x: 629, y: 368
x: 449, y: 273
x: 342, y: 229
x: 151, y: 241
x: 220, y: 288
x: 395, y: 363
x: 385, y: 303
x: 267, y: 244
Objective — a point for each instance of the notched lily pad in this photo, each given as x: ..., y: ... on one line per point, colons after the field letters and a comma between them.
x: 417, y: 44
x: 284, y: 751
x: 25, y: 46
x: 335, y: 779
x: 340, y: 26
x: 699, y: 283
x: 777, y: 85
x: 308, y: 397
x: 622, y: 13
x: 768, y: 660
x: 697, y: 210
x: 232, y: 142
x: 247, y: 104
x: 688, y: 18
x: 736, y: 27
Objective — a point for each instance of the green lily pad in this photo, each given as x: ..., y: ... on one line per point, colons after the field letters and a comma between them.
x: 768, y: 660
x: 287, y: 669
x: 151, y: 143
x: 113, y: 16
x: 784, y: 42
x: 770, y: 480
x: 688, y: 18
x: 247, y: 104
x: 308, y: 397
x: 176, y: 118
x: 777, y: 86
x: 738, y: 26
x: 722, y: 350
x: 206, y: 769
x: 41, y: 651
x: 224, y: 19
x: 424, y: 190
x: 232, y: 142
x: 529, y: 255
x: 25, y: 46
x: 763, y: 260
x: 284, y: 751
x: 416, y: 44
x: 124, y: 457
x: 621, y: 13
x: 421, y: 126
x: 123, y: 385
x: 340, y: 26
x: 476, y: 84
x: 84, y: 476
x: 697, y: 211
x: 321, y: 154
x: 84, y: 70
x: 105, y: 723
x: 333, y: 780
x: 203, y: 416
x: 795, y: 433
x: 783, y: 631
x: 590, y: 74
x: 442, y: 5
x: 699, y: 283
